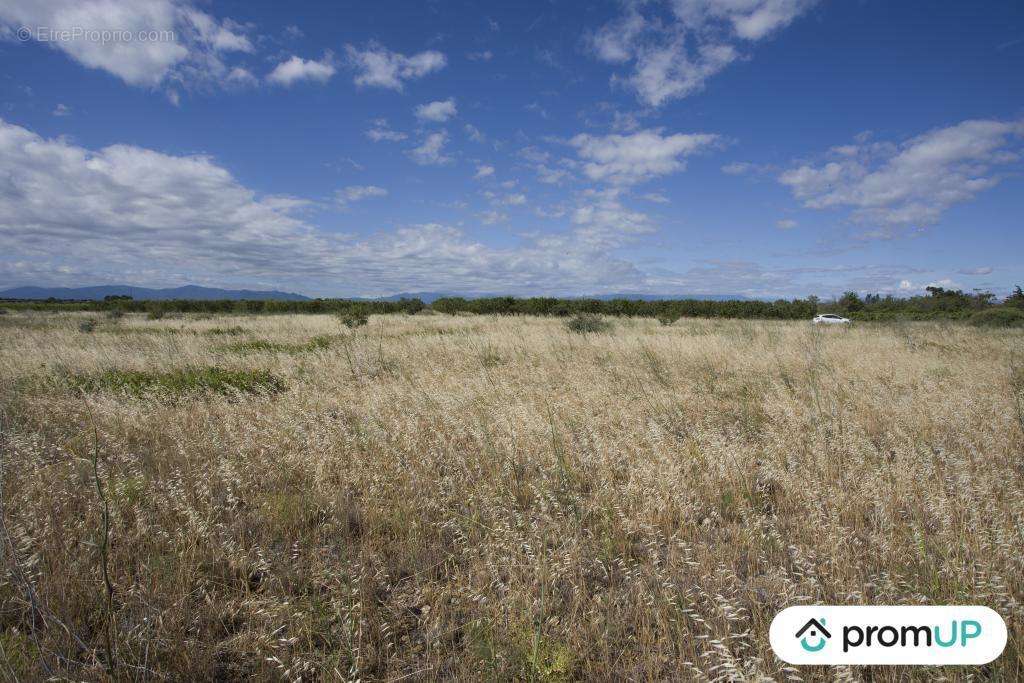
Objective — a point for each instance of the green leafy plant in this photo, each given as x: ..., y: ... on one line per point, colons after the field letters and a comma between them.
x: 1002, y: 316
x: 583, y: 323
x: 354, y: 318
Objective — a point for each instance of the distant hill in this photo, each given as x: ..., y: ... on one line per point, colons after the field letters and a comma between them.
x: 209, y: 293
x: 142, y: 293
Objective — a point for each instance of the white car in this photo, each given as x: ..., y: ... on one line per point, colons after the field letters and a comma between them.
x: 830, y: 319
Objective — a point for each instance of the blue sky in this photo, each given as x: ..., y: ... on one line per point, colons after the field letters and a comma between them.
x: 758, y: 147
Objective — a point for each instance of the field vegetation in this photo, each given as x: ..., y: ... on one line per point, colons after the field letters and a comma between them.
x: 493, y: 497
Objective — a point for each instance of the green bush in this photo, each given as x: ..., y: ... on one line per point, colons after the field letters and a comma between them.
x: 155, y: 314
x: 87, y: 326
x: 353, y: 319
x: 998, y: 317
x: 583, y: 323
x: 667, y: 320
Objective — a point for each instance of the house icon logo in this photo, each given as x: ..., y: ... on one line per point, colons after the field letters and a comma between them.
x: 814, y: 631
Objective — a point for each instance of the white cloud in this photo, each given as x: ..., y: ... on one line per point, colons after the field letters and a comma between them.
x: 616, y: 41
x: 377, y: 66
x: 656, y: 197
x: 673, y: 59
x: 551, y: 176
x: 634, y: 158
x: 738, y: 168
x: 895, y: 187
x: 750, y: 19
x: 62, y: 110
x: 381, y: 131
x: 241, y: 76
x: 474, y: 133
x: 785, y: 224
x: 430, y: 153
x: 484, y: 171
x: 189, y: 44
x: 128, y: 214
x: 355, y: 193
x: 667, y: 72
x: 492, y: 217
x: 484, y: 56
x: 981, y: 270
x: 439, y: 111
x: 297, y: 69
x: 125, y: 213
x: 514, y: 200
x: 603, y: 221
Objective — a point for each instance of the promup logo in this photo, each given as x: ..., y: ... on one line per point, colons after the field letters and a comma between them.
x: 817, y: 630
x: 888, y: 635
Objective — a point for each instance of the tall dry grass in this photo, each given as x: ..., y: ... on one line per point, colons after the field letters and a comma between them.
x: 496, y: 499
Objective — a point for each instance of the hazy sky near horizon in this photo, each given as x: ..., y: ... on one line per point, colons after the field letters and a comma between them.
x: 757, y: 147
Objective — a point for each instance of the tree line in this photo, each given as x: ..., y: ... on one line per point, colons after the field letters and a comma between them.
x: 937, y: 303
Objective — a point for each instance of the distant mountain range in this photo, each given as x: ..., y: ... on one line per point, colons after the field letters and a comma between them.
x: 144, y: 293
x: 209, y: 293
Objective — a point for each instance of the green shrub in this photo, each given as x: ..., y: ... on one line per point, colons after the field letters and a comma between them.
x: 180, y: 381
x: 115, y: 314
x: 155, y: 314
x: 998, y: 317
x: 353, y: 319
x: 87, y: 326
x: 667, y: 320
x: 583, y: 323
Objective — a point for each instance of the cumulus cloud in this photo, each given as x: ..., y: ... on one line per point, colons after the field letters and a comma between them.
x: 127, y: 213
x: 356, y: 193
x: 381, y: 131
x: 634, y: 158
x: 602, y: 220
x: 673, y: 59
x: 893, y: 187
x: 438, y: 112
x: 298, y: 69
x: 431, y: 152
x: 379, y: 67
x: 484, y: 171
x: 184, y: 44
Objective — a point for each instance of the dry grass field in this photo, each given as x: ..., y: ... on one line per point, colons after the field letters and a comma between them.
x: 475, y: 498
